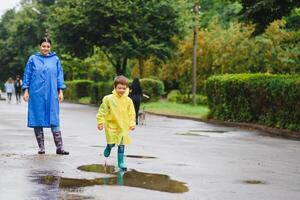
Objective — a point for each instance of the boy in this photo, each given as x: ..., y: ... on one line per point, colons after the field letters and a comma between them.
x: 116, y: 114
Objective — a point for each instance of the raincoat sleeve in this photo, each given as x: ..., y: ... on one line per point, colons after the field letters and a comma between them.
x: 27, y: 74
x: 60, y: 76
x: 131, y: 113
x: 103, y: 111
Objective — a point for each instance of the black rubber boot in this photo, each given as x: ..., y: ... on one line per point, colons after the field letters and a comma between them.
x: 39, y: 135
x: 59, y: 144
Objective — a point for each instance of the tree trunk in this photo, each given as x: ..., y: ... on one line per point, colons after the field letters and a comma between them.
x: 121, y: 66
x: 141, y: 67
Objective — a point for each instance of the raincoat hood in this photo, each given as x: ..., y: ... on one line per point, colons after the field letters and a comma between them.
x: 123, y: 96
x: 50, y: 54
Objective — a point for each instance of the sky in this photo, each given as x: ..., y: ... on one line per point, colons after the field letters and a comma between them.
x: 7, y: 4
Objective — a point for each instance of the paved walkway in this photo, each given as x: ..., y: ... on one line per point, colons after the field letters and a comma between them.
x: 170, y: 159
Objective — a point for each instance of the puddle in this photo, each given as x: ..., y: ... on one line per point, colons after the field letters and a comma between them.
x: 192, y: 134
x: 97, y: 146
x: 133, y: 178
x: 253, y: 182
x: 8, y: 155
x: 208, y: 131
x: 140, y: 157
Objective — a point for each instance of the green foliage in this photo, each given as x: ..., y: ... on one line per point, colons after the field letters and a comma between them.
x: 272, y: 100
x: 95, y: 67
x: 77, y: 89
x: 176, y: 97
x: 153, y: 88
x: 127, y: 29
x: 234, y: 50
x: 99, y: 90
x: 263, y: 12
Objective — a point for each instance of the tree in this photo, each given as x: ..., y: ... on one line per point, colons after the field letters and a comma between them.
x: 134, y: 29
x: 263, y: 12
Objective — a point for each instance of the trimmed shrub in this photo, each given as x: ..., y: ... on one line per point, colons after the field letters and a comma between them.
x: 99, y: 90
x: 153, y: 88
x: 77, y: 89
x: 176, y: 96
x: 268, y: 99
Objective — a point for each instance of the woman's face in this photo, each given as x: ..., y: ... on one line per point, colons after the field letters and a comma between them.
x: 45, y: 48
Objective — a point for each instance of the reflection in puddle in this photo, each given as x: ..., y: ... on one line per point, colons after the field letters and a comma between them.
x: 133, y: 178
x: 141, y: 157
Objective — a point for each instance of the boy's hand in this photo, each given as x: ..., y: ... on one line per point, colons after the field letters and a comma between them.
x: 132, y: 128
x: 100, y: 127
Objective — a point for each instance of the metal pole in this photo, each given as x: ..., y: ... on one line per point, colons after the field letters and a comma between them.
x: 195, y: 41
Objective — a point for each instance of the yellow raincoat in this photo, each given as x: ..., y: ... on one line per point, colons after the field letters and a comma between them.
x: 117, y: 114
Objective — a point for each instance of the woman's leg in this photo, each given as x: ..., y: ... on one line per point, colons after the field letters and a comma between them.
x: 58, y: 140
x: 9, y: 97
x: 39, y: 135
x: 136, y: 105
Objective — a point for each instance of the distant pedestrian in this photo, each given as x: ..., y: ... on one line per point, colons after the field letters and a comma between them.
x: 116, y: 114
x: 43, y: 84
x: 18, y: 88
x: 9, y: 88
x: 136, y: 93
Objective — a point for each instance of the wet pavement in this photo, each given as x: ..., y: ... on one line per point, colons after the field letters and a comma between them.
x: 170, y: 159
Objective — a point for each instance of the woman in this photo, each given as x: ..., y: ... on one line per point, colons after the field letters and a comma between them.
x: 43, y: 85
x: 135, y: 94
x: 9, y: 88
x: 18, y: 88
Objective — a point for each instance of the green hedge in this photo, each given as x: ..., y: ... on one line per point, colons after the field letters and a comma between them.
x: 153, y: 88
x: 85, y: 88
x: 77, y: 89
x: 176, y: 97
x: 99, y: 90
x: 273, y: 100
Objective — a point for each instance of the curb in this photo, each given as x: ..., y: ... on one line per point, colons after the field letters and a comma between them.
x: 265, y: 130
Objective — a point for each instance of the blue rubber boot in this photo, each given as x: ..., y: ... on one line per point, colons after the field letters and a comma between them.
x: 107, y: 150
x: 121, y: 164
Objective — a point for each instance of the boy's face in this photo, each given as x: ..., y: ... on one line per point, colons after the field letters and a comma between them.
x: 121, y: 89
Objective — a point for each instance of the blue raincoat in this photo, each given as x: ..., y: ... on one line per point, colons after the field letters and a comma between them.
x: 43, y: 77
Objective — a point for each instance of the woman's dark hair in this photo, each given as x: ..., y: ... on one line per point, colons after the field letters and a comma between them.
x: 45, y: 39
x: 136, y: 86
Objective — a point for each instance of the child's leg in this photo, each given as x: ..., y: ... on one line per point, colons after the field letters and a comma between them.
x: 107, y: 149
x: 121, y: 149
x: 39, y: 135
x: 58, y: 140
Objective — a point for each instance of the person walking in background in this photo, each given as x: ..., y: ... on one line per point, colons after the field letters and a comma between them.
x: 136, y: 93
x: 9, y: 88
x: 18, y: 88
x: 116, y: 114
x: 43, y: 84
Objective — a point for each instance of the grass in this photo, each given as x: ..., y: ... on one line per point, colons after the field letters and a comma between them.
x: 85, y: 100
x: 175, y: 109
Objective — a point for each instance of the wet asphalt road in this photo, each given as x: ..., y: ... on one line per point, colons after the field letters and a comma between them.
x: 170, y: 159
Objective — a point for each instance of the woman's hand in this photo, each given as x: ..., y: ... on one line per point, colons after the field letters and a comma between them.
x: 60, y: 96
x: 26, y: 95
